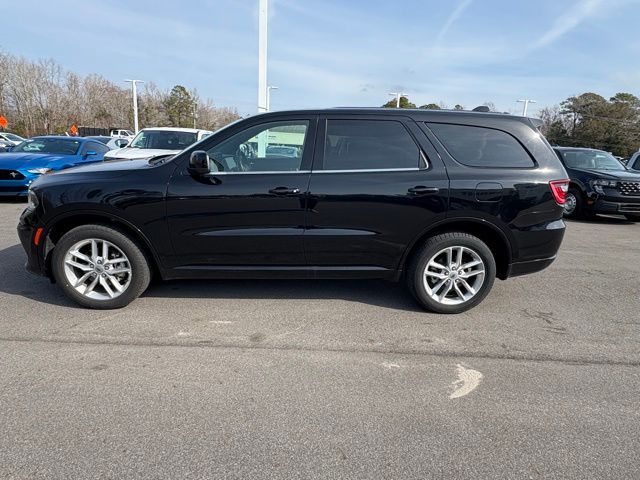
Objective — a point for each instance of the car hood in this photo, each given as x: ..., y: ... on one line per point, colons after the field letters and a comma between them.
x: 23, y: 160
x: 136, y: 153
x: 624, y: 175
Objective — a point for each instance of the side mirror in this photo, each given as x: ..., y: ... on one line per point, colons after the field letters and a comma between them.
x: 198, y: 163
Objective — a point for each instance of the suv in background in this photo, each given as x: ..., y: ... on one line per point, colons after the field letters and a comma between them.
x: 444, y: 201
x: 600, y: 183
x: 159, y: 141
x: 634, y: 162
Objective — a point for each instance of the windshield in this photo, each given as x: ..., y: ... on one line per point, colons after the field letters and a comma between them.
x: 13, y: 137
x: 591, y: 160
x: 163, y: 140
x: 62, y: 146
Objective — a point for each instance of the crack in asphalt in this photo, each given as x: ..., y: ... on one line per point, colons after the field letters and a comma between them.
x: 541, y: 358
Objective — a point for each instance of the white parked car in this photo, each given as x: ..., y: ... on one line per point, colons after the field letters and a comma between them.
x: 151, y: 142
x: 122, y: 134
x: 11, y: 138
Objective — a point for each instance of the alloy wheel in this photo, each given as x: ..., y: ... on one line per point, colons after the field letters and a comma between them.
x: 570, y: 204
x: 454, y: 275
x: 97, y: 269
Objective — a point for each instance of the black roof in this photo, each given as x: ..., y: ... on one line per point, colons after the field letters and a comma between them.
x: 408, y: 112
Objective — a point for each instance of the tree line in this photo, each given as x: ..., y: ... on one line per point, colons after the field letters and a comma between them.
x: 40, y: 97
x: 588, y: 120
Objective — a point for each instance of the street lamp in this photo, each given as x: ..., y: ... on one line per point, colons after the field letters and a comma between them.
x: 526, y: 102
x: 134, y: 92
x: 263, y: 21
x: 398, y: 95
x: 269, y: 88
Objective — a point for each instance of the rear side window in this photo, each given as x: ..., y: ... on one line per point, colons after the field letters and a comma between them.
x: 481, y: 147
x: 369, y: 145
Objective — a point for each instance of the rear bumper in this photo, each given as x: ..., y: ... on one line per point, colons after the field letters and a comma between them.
x: 537, y: 248
x: 531, y: 266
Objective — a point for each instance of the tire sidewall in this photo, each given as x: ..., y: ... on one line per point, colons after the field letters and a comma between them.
x: 139, y: 266
x: 577, y: 212
x: 433, y: 246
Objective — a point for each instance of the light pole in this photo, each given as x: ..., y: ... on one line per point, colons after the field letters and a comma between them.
x: 526, y: 102
x: 269, y: 88
x: 263, y: 21
x: 195, y: 113
x: 398, y: 95
x: 134, y: 92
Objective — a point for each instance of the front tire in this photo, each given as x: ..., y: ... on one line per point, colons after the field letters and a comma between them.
x: 452, y: 273
x: 633, y: 217
x: 100, y: 267
x: 573, y: 204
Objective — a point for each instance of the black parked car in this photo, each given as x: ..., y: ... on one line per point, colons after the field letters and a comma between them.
x: 599, y: 184
x: 634, y: 162
x: 446, y: 201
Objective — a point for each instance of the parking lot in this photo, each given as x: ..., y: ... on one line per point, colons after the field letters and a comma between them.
x: 338, y: 379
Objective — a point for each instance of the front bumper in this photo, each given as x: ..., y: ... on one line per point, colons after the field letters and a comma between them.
x: 26, y: 231
x: 603, y: 205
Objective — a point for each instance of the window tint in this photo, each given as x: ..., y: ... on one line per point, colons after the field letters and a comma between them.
x: 591, y: 160
x: 481, y: 147
x: 368, y: 144
x: 268, y: 147
x: 63, y: 146
x: 93, y: 147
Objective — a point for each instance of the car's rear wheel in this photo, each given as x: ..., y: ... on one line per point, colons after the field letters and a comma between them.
x: 100, y: 267
x: 453, y: 272
x: 633, y: 217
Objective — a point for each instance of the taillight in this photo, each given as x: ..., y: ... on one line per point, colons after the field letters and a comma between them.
x: 559, y: 188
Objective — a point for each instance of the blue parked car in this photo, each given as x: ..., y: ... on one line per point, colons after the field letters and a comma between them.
x: 39, y: 155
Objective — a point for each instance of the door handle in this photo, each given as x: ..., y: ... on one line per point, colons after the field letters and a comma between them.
x: 284, y: 191
x: 423, y: 190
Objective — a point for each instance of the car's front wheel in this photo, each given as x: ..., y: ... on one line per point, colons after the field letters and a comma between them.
x: 453, y: 272
x: 100, y: 267
x: 633, y: 217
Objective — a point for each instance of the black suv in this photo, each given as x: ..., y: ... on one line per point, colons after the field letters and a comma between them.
x: 600, y: 183
x: 446, y: 201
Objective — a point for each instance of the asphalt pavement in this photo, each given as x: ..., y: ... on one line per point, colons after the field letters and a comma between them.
x: 328, y: 379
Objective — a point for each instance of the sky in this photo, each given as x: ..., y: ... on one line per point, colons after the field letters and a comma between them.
x: 327, y: 53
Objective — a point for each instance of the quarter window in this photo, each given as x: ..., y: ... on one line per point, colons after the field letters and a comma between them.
x: 268, y: 147
x: 481, y: 147
x: 369, y: 145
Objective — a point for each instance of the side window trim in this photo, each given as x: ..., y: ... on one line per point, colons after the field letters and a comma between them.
x: 318, y: 159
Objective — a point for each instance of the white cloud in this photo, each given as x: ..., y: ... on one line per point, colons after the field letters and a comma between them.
x: 570, y: 20
x: 455, y: 15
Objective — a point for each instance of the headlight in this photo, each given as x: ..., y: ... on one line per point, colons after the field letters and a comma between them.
x: 40, y: 171
x: 32, y: 199
x: 601, y: 182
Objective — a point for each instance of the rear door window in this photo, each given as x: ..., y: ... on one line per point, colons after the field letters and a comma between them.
x: 369, y: 145
x: 481, y: 147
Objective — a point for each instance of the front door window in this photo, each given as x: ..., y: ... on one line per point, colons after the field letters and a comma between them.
x: 268, y: 147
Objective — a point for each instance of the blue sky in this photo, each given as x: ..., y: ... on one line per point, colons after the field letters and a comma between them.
x: 326, y: 53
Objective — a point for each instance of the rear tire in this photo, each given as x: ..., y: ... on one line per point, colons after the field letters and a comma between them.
x: 99, y: 267
x: 451, y: 273
x: 633, y: 217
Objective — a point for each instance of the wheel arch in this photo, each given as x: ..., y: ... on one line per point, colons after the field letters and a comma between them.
x: 496, y: 240
x: 63, y: 223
